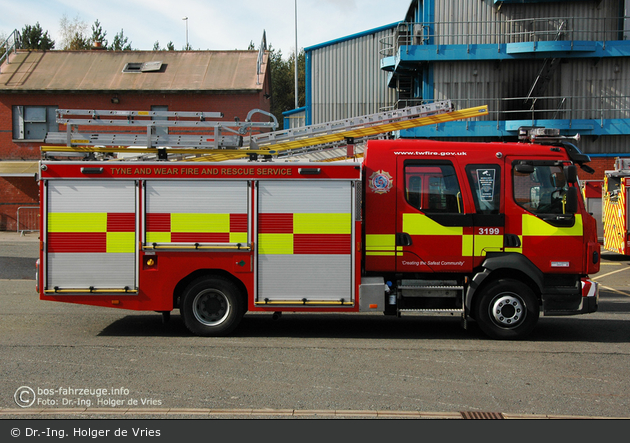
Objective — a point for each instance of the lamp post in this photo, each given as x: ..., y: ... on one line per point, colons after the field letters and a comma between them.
x: 296, y: 58
x: 186, y: 20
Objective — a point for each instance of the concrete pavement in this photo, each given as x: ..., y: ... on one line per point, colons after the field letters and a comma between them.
x: 13, y: 237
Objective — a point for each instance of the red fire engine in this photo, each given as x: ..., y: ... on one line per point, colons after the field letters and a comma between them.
x: 495, y: 232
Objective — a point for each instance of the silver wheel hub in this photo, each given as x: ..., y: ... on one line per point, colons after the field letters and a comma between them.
x: 508, y: 311
x: 211, y: 307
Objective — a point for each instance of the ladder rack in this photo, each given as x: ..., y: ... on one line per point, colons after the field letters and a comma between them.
x: 151, y: 121
x: 231, y: 140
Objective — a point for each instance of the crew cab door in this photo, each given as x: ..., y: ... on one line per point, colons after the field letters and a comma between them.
x: 489, y: 218
x: 434, y: 234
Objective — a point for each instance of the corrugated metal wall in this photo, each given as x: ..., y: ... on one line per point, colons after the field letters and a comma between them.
x: 595, y: 89
x: 580, y: 88
x: 346, y: 79
x: 482, y: 22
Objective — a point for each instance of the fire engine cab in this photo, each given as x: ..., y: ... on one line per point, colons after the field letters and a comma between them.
x: 494, y: 232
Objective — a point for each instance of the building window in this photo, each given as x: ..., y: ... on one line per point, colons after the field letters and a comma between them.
x: 143, y: 67
x: 34, y: 122
x: 160, y: 130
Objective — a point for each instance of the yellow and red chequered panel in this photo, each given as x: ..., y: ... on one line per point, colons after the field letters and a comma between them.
x: 302, y: 234
x: 196, y: 228
x: 91, y: 232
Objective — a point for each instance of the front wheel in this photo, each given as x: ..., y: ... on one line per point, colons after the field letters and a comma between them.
x: 507, y: 309
x: 211, y: 307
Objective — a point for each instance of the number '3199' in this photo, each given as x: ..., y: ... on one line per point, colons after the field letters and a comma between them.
x: 489, y: 231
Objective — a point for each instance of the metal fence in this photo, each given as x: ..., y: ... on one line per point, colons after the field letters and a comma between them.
x: 27, y: 219
x: 504, y: 31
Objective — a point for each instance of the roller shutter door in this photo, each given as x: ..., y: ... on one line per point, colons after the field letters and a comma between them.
x: 91, y: 235
x: 305, y: 241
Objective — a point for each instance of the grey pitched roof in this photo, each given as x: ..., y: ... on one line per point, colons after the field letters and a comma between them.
x: 180, y: 71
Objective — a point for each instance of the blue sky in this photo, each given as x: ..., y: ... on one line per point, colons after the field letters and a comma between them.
x: 212, y: 24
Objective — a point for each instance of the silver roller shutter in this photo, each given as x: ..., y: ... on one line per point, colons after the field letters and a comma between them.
x: 305, y: 241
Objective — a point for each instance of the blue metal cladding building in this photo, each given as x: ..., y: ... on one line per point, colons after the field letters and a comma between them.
x: 551, y: 63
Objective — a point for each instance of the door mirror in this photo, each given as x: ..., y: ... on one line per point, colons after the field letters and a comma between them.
x: 571, y: 205
x: 524, y: 168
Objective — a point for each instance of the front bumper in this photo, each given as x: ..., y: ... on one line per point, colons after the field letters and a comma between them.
x: 590, y: 296
x: 573, y: 304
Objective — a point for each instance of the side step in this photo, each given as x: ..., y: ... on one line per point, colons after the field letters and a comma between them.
x: 431, y: 311
x: 415, y: 290
x: 431, y: 297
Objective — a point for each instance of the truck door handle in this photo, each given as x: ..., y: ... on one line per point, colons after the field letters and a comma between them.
x: 403, y: 239
x: 512, y: 241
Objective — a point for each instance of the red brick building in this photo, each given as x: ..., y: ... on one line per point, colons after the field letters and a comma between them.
x: 33, y: 84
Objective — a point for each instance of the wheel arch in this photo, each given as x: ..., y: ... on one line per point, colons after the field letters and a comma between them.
x: 184, y: 282
x: 513, y: 266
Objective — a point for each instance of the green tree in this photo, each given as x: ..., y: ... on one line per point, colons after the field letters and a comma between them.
x: 73, y: 33
x: 3, y: 39
x: 78, y: 43
x: 33, y: 37
x: 283, y: 82
x: 98, y: 35
x: 169, y: 46
x: 120, y: 43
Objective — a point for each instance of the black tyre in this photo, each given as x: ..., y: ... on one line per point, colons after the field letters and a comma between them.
x: 507, y: 309
x: 212, y: 306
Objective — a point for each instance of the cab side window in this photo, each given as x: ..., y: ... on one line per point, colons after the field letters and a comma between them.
x: 433, y: 188
x: 485, y: 184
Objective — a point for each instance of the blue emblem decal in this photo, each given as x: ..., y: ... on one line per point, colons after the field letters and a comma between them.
x: 381, y: 182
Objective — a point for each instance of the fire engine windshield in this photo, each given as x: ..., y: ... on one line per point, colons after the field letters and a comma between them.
x: 542, y: 191
x: 613, y: 187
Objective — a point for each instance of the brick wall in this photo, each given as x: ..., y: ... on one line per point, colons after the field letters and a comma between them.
x: 23, y: 191
x: 600, y: 164
x: 14, y: 193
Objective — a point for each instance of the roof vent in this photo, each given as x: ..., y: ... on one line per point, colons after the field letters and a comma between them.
x: 143, y: 67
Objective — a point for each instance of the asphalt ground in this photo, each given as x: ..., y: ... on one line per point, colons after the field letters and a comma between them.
x: 572, y: 368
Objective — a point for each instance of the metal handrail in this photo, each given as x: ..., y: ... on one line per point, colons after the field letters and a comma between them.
x: 504, y: 31
x: 15, y: 44
x: 543, y: 108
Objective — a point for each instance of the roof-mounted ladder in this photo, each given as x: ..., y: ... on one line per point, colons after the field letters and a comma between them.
x: 224, y: 134
x: 219, y: 147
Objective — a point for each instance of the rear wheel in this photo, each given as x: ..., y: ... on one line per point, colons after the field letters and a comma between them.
x: 507, y: 309
x: 212, y: 306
